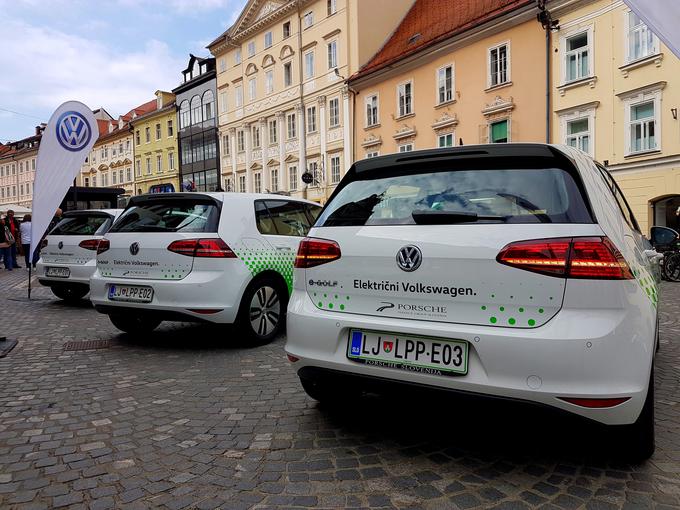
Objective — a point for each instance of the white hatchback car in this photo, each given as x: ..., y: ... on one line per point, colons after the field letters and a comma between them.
x: 215, y: 257
x: 513, y: 270
x: 68, y: 256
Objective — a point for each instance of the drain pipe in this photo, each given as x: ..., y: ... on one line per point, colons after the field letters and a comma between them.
x: 545, y: 19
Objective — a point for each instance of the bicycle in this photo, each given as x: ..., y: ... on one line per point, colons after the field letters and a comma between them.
x: 670, y: 268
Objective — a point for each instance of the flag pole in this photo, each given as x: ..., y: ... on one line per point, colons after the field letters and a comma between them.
x: 30, y: 269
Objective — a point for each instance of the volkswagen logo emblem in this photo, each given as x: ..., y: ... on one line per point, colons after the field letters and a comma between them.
x: 409, y: 258
x: 134, y: 248
x: 60, y: 245
x: 73, y: 131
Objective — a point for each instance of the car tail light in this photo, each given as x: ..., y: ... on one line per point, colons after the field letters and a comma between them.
x: 595, y: 403
x: 578, y: 257
x: 205, y: 248
x: 314, y: 252
x: 104, y: 245
x: 89, y: 244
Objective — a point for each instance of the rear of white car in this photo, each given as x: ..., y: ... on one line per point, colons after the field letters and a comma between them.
x: 199, y: 257
x: 68, y: 255
x: 512, y: 271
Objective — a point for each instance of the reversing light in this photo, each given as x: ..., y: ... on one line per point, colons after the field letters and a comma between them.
x: 314, y: 252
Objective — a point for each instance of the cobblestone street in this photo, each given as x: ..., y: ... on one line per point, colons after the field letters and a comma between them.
x: 191, y: 418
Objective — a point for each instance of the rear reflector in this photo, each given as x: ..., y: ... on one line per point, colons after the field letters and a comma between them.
x: 314, y: 252
x: 205, y: 311
x: 578, y: 257
x: 104, y: 245
x: 292, y: 358
x: 205, y: 248
x: 89, y: 244
x: 595, y: 403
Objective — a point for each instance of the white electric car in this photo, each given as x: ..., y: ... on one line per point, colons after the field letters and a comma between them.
x: 215, y: 257
x: 68, y: 256
x: 511, y: 270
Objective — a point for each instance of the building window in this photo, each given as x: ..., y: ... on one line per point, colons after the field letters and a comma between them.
x: 257, y: 182
x: 311, y: 119
x: 148, y: 166
x: 332, y: 54
x: 577, y: 57
x: 128, y: 173
x: 335, y: 169
x: 286, y: 30
x: 94, y: 181
x: 269, y: 82
x: 256, y: 137
x: 445, y: 140
x: 223, y: 65
x: 159, y: 164
x: 251, y: 49
x: 287, y: 74
x: 445, y: 84
x: 406, y: 147
x: 642, y: 127
x: 158, y: 131
x: 240, y: 140
x: 120, y: 148
x: 498, y: 131
x: 372, y: 111
x: 127, y: 144
x: 313, y: 168
x: 225, y: 145
x: 242, y: 183
x: 105, y: 180
x: 223, y: 102
x: 292, y: 178
x: 208, y: 101
x: 372, y: 154
x: 147, y: 138
x: 308, y: 19
x: 331, y: 7
x: 499, y: 65
x: 334, y: 112
x: 405, y: 99
x: 291, y: 125
x: 21, y: 189
x: 113, y: 178
x: 309, y: 65
x: 268, y: 40
x: 274, y: 180
x: 138, y: 168
x: 184, y: 117
x: 106, y: 149
x: 578, y: 134
x: 273, y: 138
x: 239, y: 96
x: 237, y: 56
x: 252, y: 88
x: 87, y: 185
x: 196, y: 110
x: 170, y: 132
x: 641, y: 40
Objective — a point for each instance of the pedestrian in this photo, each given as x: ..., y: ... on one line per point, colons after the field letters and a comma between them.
x: 13, y: 225
x: 26, y: 241
x: 56, y: 219
x: 5, y: 244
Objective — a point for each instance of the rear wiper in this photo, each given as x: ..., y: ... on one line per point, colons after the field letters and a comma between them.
x: 434, y: 217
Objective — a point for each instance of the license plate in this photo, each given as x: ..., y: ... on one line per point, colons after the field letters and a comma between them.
x: 130, y: 293
x: 427, y: 355
x: 58, y: 272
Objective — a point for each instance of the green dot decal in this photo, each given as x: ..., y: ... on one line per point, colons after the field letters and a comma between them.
x: 531, y: 297
x: 483, y: 307
x: 511, y: 320
x: 320, y: 304
x: 531, y: 322
x: 342, y: 307
x: 521, y: 310
x: 325, y: 295
x: 493, y: 295
x: 330, y: 305
x: 502, y: 308
x: 336, y: 296
x: 347, y: 298
x: 540, y: 310
x: 551, y: 299
x: 493, y: 320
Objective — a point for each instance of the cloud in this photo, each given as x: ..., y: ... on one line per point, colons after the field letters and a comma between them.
x: 49, y: 67
x: 185, y: 6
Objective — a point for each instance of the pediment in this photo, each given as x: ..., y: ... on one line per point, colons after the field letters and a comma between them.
x: 267, y: 61
x: 286, y: 52
x: 253, y: 12
x: 251, y: 69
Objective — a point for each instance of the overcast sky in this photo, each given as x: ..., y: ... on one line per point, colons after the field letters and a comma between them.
x: 114, y: 54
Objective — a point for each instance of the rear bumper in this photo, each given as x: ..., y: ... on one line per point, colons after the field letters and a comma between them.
x: 80, y: 273
x: 174, y: 300
x: 579, y: 353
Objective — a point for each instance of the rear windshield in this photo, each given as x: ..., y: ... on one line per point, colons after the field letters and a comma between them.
x: 514, y: 195
x: 169, y: 216
x: 83, y: 225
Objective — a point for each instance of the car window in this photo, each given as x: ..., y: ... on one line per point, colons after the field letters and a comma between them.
x: 663, y: 236
x: 482, y: 195
x: 175, y: 215
x: 265, y: 224
x: 82, y: 225
x: 313, y: 211
x: 620, y: 198
x: 289, y: 217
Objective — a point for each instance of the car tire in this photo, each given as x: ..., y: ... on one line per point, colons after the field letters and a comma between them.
x: 134, y: 324
x: 70, y: 293
x: 262, y: 315
x: 638, y: 438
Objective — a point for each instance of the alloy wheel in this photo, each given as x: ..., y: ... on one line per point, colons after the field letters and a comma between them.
x: 265, y: 310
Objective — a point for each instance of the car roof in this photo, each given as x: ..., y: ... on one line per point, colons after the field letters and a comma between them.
x: 80, y: 212
x: 222, y: 196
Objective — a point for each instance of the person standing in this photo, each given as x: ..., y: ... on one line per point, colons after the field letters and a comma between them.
x: 13, y: 225
x: 25, y: 228
x: 5, y: 244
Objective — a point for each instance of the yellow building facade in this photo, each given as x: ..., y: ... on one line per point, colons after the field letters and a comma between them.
x: 155, y: 147
x: 616, y: 97
x: 283, y: 106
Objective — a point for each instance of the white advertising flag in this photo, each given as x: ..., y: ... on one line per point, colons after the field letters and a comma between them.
x: 67, y: 140
x: 663, y: 17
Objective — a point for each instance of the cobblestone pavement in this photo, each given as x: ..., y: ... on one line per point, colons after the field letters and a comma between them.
x: 191, y: 418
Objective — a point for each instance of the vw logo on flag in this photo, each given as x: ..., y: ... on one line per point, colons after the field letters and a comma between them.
x: 73, y: 131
